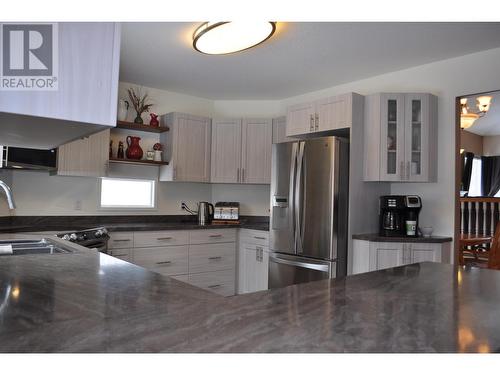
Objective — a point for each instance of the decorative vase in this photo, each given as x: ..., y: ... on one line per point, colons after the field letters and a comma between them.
x: 134, y: 150
x: 158, y: 156
x: 122, y: 110
x: 138, y: 119
x: 154, y: 120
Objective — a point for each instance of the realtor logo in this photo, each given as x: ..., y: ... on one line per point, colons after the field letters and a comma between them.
x: 28, y: 56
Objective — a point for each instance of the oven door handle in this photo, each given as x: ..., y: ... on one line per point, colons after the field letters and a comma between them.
x: 309, y: 265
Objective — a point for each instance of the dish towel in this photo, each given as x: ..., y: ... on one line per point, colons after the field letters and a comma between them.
x: 5, y: 249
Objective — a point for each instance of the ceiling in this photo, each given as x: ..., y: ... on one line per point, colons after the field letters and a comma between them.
x: 489, y: 124
x: 299, y: 58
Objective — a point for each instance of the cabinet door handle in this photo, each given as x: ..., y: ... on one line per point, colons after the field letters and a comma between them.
x: 164, y: 238
x: 311, y: 122
x: 402, y: 170
x: 242, y: 174
x: 215, y: 235
x: 238, y: 175
x: 174, y: 175
x: 316, y: 121
x: 215, y: 258
x: 122, y: 240
x: 259, y: 238
x: 408, y: 170
x: 214, y: 286
x: 164, y: 262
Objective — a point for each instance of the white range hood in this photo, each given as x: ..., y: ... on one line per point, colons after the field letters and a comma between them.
x: 84, y: 75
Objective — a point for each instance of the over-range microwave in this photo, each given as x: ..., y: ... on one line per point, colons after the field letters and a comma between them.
x: 28, y: 158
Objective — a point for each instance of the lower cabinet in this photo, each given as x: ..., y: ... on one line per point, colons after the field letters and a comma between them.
x: 253, y: 261
x: 372, y: 256
x: 205, y: 258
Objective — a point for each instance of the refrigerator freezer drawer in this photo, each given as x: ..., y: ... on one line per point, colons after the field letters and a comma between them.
x: 287, y: 270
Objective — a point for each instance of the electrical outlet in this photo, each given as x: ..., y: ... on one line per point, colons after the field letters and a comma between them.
x: 78, y: 205
x: 183, y: 205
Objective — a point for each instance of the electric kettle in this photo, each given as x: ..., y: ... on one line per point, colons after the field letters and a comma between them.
x: 205, y: 213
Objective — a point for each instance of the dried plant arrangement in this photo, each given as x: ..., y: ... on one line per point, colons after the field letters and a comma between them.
x: 139, y: 102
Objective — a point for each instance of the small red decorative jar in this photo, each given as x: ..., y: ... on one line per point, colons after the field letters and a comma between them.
x: 154, y: 120
x: 134, y: 150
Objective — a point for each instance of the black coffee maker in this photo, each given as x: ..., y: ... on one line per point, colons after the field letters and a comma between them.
x: 399, y: 215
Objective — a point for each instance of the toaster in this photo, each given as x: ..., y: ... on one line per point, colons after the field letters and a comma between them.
x: 227, y: 211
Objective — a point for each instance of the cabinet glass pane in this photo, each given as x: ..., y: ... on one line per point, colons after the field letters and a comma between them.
x: 416, y: 136
x: 392, y: 135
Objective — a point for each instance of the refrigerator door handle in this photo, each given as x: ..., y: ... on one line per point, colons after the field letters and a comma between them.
x: 297, y: 201
x: 291, y: 194
x: 313, y: 266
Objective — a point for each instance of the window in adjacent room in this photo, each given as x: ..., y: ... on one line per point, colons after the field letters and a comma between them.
x: 127, y: 193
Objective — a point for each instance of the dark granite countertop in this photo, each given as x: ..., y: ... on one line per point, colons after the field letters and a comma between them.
x: 375, y: 237
x: 90, y: 302
x: 121, y: 223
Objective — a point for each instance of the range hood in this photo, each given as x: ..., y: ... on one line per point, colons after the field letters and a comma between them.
x: 78, y: 93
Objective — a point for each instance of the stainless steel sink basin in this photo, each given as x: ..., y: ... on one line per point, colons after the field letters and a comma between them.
x: 25, y: 247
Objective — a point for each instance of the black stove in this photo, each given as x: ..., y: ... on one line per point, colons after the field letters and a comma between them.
x: 91, y: 238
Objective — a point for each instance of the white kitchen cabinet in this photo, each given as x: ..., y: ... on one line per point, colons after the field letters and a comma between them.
x: 253, y: 261
x: 372, y: 256
x: 279, y: 130
x: 331, y: 113
x: 241, y: 151
x: 300, y: 118
x: 400, y: 137
x: 87, y: 157
x: 166, y: 260
x: 85, y: 101
x: 188, y: 146
x: 226, y: 150
x: 256, y: 145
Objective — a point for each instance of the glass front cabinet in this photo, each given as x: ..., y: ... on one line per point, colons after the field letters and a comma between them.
x: 400, y: 137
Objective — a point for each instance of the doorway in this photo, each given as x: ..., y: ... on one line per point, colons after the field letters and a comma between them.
x: 477, y: 184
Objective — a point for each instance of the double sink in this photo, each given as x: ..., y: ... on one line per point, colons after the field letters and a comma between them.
x: 31, y: 247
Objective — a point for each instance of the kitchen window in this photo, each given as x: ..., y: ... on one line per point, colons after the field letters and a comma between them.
x: 127, y: 193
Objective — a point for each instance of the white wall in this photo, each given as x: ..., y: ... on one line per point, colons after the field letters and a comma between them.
x: 491, y: 145
x: 447, y: 79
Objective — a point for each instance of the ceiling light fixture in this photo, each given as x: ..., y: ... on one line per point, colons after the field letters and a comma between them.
x: 468, y: 118
x: 221, y: 38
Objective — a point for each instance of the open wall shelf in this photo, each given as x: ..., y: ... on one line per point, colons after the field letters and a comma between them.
x: 141, y: 127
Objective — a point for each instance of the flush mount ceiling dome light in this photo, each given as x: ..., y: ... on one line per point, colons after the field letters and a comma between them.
x: 220, y: 38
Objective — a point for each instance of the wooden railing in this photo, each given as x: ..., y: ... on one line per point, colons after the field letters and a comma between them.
x: 479, y: 215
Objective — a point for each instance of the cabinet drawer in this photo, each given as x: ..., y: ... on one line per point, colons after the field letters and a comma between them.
x: 124, y: 254
x: 212, y: 236
x: 220, y: 282
x: 161, y: 238
x: 257, y: 237
x: 169, y: 260
x: 121, y: 240
x: 212, y: 257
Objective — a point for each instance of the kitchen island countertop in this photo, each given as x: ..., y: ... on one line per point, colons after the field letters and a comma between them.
x: 91, y: 302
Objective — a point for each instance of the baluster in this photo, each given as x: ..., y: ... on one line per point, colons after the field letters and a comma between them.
x: 466, y: 217
x: 495, y: 217
x: 489, y: 220
x: 485, y: 218
x: 462, y: 218
x: 473, y: 215
x: 480, y: 218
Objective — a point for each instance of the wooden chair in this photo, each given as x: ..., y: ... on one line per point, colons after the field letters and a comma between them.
x: 494, y: 252
x: 474, y: 250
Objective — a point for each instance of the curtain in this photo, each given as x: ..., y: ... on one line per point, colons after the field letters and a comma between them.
x: 467, y: 158
x: 490, y: 175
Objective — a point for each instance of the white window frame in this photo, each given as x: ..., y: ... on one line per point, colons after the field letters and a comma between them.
x: 126, y: 207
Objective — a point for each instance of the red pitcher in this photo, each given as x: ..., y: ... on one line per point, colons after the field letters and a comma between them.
x: 134, y: 151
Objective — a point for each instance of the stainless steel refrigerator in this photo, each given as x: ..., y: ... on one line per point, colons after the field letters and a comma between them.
x: 309, y: 208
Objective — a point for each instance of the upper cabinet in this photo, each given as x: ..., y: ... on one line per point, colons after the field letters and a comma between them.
x: 279, y: 130
x: 87, y: 157
x: 400, y: 137
x: 322, y: 115
x: 241, y: 151
x: 187, y: 148
x: 85, y: 100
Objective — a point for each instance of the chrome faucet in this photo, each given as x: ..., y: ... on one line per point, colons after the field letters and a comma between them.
x: 8, y: 193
